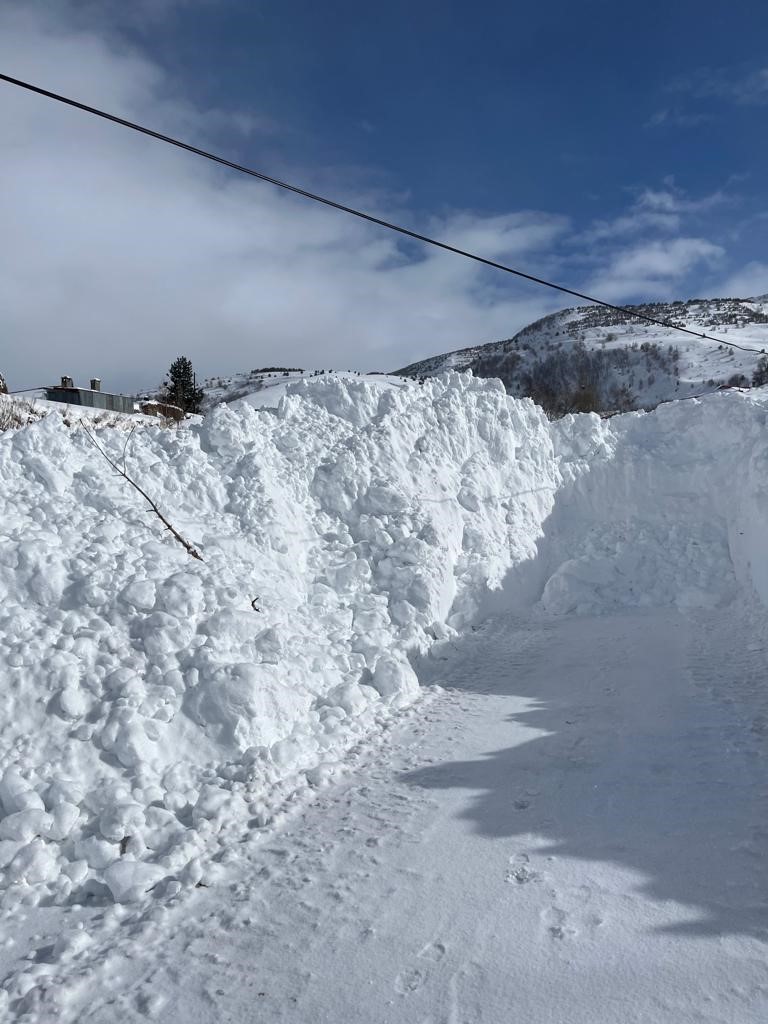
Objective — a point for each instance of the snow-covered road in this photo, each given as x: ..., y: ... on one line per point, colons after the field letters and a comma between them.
x: 572, y: 833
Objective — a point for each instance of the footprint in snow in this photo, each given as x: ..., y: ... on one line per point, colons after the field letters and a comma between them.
x: 434, y: 951
x: 556, y: 922
x: 412, y: 979
x: 519, y: 871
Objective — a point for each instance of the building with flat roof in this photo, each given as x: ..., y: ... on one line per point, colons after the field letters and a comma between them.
x: 92, y: 397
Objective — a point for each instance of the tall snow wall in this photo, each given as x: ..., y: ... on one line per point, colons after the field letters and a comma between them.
x: 151, y: 713
x: 654, y: 509
x: 148, y: 704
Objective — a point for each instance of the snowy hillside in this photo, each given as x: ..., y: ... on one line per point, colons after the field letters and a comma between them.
x: 163, y: 714
x: 591, y: 357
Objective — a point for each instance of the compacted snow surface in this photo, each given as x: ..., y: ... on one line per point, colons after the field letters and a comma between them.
x: 491, y: 748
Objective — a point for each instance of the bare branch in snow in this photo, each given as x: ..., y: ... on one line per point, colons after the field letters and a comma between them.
x: 152, y: 506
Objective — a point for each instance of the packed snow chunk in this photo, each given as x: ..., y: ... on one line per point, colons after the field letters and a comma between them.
x: 270, y: 644
x: 231, y: 627
x: 130, y: 737
x: 16, y: 794
x: 394, y: 679
x: 121, y: 820
x: 98, y: 853
x: 351, y: 697
x: 73, y: 702
x: 242, y: 705
x: 217, y: 805
x: 130, y: 880
x: 63, y: 791
x: 161, y: 828
x: 161, y: 633
x: 65, y: 816
x: 35, y: 863
x: 140, y: 594
x: 286, y: 753
x: 8, y: 850
x: 193, y: 872
x: 76, y: 871
x: 24, y: 825
x: 181, y: 595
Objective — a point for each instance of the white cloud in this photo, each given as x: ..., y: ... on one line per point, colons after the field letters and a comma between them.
x: 743, y: 86
x: 702, y: 95
x: 632, y: 223
x: 675, y: 117
x: 654, y: 210
x: 653, y: 268
x: 750, y: 280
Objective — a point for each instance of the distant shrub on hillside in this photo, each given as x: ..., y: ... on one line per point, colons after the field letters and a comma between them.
x: 15, y: 413
x: 580, y: 380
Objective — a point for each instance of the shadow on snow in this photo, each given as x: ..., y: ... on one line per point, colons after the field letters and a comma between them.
x: 639, y: 766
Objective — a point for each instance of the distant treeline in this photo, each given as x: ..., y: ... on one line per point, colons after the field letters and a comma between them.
x: 279, y: 369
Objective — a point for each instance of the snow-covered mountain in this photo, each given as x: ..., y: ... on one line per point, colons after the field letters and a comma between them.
x: 593, y: 358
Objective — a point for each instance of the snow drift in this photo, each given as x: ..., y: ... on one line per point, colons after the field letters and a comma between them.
x: 148, y: 705
x: 151, y: 711
x: 668, y: 508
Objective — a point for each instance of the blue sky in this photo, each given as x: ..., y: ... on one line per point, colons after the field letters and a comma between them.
x: 617, y: 149
x: 493, y: 106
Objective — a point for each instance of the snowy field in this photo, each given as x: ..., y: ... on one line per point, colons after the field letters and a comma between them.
x: 489, y: 745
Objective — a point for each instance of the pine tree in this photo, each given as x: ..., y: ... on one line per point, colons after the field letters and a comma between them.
x: 179, y: 386
x: 760, y: 376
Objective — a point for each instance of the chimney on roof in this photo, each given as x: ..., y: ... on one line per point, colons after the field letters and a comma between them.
x: 95, y: 384
x: 67, y: 382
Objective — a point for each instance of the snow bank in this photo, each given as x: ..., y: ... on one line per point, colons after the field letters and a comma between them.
x: 667, y: 508
x: 150, y: 710
x: 148, y: 706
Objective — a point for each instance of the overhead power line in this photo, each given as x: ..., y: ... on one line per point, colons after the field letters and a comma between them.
x: 359, y: 213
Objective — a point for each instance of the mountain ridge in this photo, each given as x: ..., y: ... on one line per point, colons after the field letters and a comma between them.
x: 591, y: 358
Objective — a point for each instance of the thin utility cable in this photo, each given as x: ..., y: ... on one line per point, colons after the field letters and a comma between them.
x: 359, y: 213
